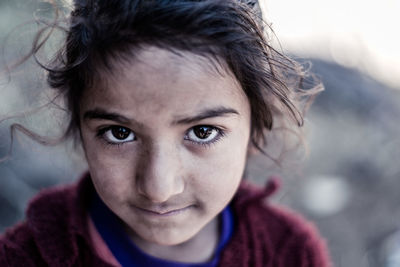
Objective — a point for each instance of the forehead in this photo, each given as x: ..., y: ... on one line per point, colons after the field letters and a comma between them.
x: 159, y: 81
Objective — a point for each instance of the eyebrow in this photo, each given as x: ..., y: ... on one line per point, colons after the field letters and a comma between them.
x: 206, y: 114
x: 101, y: 114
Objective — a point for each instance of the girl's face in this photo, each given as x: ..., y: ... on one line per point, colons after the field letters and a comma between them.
x: 166, y: 142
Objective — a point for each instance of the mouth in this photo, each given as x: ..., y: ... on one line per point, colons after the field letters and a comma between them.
x: 164, y: 212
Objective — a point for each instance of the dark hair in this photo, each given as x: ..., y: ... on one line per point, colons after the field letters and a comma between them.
x: 100, y: 31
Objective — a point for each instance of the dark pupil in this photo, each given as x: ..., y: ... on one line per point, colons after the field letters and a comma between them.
x: 120, y: 132
x: 202, y: 132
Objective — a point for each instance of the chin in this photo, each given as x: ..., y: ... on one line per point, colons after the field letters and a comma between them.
x: 170, y: 239
x: 167, y: 237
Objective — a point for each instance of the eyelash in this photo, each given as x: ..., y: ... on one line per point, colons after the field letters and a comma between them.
x: 220, y: 134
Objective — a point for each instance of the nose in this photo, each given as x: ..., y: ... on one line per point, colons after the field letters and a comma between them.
x: 160, y: 176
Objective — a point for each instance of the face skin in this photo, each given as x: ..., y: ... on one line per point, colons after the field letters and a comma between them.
x: 166, y: 141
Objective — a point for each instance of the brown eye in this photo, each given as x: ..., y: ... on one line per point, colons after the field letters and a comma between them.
x: 203, y: 132
x: 118, y: 134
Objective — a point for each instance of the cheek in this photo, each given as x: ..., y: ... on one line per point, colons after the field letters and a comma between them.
x: 110, y: 174
x: 218, y: 176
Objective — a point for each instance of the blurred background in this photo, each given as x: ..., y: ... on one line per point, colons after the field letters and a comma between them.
x: 350, y: 182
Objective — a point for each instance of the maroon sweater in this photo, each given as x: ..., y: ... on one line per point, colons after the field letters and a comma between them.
x: 56, y: 233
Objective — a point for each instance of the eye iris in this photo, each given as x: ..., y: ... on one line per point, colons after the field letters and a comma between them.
x: 120, y: 133
x: 202, y: 132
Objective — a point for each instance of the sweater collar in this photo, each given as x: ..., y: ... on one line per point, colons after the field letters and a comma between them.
x: 248, y: 193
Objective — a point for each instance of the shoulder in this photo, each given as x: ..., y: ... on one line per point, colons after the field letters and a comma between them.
x: 53, y: 219
x: 20, y: 246
x: 273, y: 235
x: 293, y: 236
x: 17, y: 247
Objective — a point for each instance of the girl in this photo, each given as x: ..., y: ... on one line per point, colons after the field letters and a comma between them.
x: 167, y: 99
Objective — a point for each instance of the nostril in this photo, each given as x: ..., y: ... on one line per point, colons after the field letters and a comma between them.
x: 159, y: 190
x: 161, y: 195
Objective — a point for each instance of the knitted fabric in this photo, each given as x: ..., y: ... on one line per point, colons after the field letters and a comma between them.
x: 55, y: 233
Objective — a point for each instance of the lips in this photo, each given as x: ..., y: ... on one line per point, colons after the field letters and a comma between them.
x: 163, y: 212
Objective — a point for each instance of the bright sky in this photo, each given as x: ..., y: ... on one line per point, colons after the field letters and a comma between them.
x: 363, y: 34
